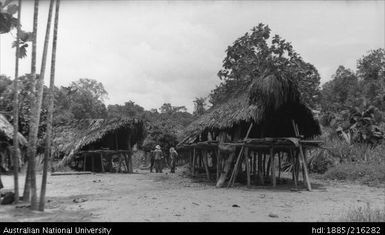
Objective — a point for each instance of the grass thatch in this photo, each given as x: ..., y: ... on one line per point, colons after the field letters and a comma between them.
x: 264, y: 102
x: 72, y: 137
x: 6, y: 131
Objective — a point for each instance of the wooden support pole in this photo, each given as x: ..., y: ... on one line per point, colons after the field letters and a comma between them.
x: 254, y: 166
x: 294, y: 166
x: 235, y: 171
x: 205, y: 163
x: 273, y: 179
x: 247, y: 167
x: 93, y: 163
x: 120, y: 164
x: 264, y: 165
x: 191, y: 160
x: 131, y: 166
x: 304, y: 165
x: 260, y: 168
x: 219, y: 168
x: 194, y: 162
x: 279, y: 165
x: 124, y: 155
x: 101, y: 162
x: 84, y: 162
x: 268, y: 166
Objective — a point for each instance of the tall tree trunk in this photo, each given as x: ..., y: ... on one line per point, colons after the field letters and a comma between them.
x: 47, y: 152
x: 36, y: 112
x: 16, y: 112
x: 27, y: 184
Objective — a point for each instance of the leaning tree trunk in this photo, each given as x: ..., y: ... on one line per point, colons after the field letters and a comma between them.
x: 36, y: 112
x: 27, y: 184
x: 47, y: 152
x: 16, y: 112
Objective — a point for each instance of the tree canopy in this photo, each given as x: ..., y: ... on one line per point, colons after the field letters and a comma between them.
x: 257, y: 53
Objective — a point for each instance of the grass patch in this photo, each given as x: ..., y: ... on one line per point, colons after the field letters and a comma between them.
x: 364, y: 214
x: 370, y: 173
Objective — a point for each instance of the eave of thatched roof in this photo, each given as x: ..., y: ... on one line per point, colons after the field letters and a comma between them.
x: 72, y: 137
x: 253, y: 104
x: 6, y: 129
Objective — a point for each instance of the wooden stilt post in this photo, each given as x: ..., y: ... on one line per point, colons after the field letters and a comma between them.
x: 297, y: 166
x: 101, y: 161
x: 194, y: 161
x: 84, y: 162
x: 260, y: 168
x: 294, y: 166
x: 268, y: 168
x: 264, y: 165
x: 205, y: 163
x: 191, y: 160
x: 235, y: 171
x: 124, y: 155
x: 247, y: 167
x: 93, y: 163
x: 273, y: 179
x: 120, y: 164
x: 304, y: 165
x: 279, y: 165
x: 219, y: 168
x: 131, y: 167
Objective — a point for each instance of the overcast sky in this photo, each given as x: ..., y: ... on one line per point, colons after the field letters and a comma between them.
x: 163, y: 51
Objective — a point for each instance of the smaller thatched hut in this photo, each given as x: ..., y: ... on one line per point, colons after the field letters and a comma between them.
x: 97, y: 144
x: 6, y: 144
x: 262, y: 118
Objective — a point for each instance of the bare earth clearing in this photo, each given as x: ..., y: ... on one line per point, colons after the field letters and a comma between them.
x: 165, y: 197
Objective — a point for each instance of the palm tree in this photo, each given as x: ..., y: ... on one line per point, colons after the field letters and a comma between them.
x: 27, y: 185
x: 36, y: 110
x: 16, y: 112
x: 47, y: 152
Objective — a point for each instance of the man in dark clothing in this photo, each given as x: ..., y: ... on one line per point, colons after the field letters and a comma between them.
x: 158, y: 156
x: 173, y: 159
x: 152, y: 161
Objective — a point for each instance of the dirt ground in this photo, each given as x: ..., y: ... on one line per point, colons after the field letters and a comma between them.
x: 175, y: 197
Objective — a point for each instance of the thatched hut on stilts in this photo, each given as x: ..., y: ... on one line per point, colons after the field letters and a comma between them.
x: 256, y: 127
x: 98, y: 145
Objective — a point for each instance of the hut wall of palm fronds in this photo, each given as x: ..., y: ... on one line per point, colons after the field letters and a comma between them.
x: 6, y: 145
x: 97, y: 144
x: 263, y: 120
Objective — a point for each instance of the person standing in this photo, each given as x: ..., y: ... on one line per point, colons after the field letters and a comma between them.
x: 152, y: 160
x: 158, y: 156
x: 173, y: 159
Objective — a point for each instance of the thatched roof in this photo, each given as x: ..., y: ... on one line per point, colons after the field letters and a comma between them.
x: 6, y: 131
x: 71, y: 137
x: 257, y: 103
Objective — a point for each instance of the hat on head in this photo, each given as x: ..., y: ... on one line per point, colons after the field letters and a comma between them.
x: 157, y: 147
